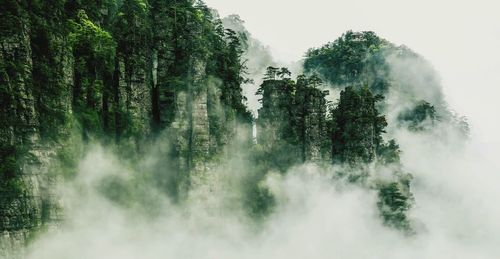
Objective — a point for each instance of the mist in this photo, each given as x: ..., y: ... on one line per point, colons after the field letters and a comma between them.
x: 459, y: 38
x: 317, y: 215
x: 117, y: 208
x: 455, y: 213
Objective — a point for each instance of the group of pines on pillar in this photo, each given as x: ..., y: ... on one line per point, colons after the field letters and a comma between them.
x: 296, y: 124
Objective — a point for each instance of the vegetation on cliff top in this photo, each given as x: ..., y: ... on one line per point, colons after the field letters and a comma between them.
x: 130, y: 72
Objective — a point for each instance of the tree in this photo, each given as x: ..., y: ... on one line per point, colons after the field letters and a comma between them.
x: 94, y: 53
x: 356, y: 59
x: 393, y: 204
x: 283, y: 72
x: 419, y: 117
x: 271, y: 73
x: 315, y: 80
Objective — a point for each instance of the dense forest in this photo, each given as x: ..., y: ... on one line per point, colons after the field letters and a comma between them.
x: 363, y: 59
x: 130, y: 74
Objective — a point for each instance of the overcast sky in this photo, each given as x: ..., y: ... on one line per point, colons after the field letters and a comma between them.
x: 460, y: 38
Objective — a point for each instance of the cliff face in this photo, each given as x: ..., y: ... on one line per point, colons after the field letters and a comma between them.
x: 357, y: 134
x: 293, y: 120
x: 27, y: 200
x: 294, y: 127
x: 363, y: 59
x: 312, y: 122
x: 274, y: 123
x: 20, y: 211
x: 122, y: 73
x: 129, y: 74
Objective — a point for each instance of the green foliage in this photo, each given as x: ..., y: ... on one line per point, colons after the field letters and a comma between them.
x: 121, y: 50
x: 260, y: 202
x: 292, y: 118
x: 360, y: 59
x: 117, y: 190
x: 8, y: 162
x: 10, y: 166
x: 68, y: 153
x: 91, y: 42
x: 228, y: 66
x: 271, y: 73
x: 357, y: 126
x: 97, y: 10
x: 420, y: 117
x: 393, y: 204
x: 132, y: 192
x: 11, y: 12
x: 131, y: 31
x: 94, y: 53
x: 356, y: 58
x: 276, y: 126
x: 67, y: 162
x: 389, y: 153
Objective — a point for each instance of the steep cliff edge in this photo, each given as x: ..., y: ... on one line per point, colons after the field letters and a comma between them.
x: 120, y: 72
x: 34, y: 81
x: 166, y: 77
x: 296, y: 126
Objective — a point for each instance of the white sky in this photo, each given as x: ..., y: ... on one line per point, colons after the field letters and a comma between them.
x: 460, y: 38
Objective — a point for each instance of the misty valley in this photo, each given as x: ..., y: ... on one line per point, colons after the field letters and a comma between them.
x: 159, y: 129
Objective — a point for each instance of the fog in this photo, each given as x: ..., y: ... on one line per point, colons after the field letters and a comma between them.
x: 455, y: 215
x: 455, y: 183
x: 460, y: 38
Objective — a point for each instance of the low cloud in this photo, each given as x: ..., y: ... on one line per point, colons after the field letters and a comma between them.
x: 456, y: 212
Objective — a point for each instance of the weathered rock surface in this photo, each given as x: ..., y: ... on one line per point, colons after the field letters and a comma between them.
x: 67, y: 68
x: 294, y: 117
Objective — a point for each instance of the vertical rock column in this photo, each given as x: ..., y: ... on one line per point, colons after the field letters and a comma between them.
x: 135, y: 96
x: 275, y: 115
x: 314, y: 126
x: 20, y: 206
x: 191, y: 127
x: 35, y: 79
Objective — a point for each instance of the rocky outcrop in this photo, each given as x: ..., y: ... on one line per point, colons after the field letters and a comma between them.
x: 405, y: 78
x: 70, y: 68
x: 275, y: 121
x: 129, y: 73
x: 18, y: 214
x: 312, y: 121
x: 356, y: 135
x: 293, y: 120
x: 27, y: 199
